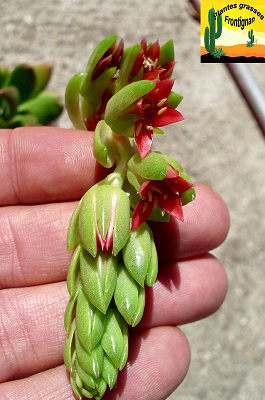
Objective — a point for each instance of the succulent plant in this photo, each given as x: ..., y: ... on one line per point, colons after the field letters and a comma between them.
x: 23, y: 98
x: 124, y: 96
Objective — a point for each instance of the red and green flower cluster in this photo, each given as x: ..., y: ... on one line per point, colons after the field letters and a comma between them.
x: 127, y: 92
x: 106, y: 83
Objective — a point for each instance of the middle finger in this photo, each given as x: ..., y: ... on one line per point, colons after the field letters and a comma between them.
x: 32, y: 318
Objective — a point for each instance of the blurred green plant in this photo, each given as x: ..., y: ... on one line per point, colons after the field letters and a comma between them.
x: 23, y: 98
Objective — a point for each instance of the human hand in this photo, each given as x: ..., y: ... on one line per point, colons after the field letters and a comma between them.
x: 44, y: 171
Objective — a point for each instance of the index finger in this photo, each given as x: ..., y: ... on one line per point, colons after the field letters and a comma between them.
x: 46, y: 164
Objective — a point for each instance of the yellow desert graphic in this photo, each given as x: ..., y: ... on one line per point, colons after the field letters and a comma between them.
x: 232, y: 32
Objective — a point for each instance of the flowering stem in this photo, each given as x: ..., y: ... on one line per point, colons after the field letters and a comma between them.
x: 125, y: 151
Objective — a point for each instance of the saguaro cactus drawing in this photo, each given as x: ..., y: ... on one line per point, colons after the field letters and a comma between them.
x: 250, y: 42
x: 211, y: 33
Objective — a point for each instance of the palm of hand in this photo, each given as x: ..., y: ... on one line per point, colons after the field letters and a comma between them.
x: 44, y: 171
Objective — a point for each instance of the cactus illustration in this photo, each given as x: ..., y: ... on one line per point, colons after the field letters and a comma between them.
x: 250, y: 42
x: 211, y: 33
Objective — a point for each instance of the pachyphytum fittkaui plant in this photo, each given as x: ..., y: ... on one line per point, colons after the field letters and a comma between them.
x: 24, y: 100
x: 125, y: 96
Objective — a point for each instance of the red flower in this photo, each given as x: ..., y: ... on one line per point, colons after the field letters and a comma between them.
x: 148, y: 58
x: 164, y: 193
x: 111, y: 58
x: 154, y: 113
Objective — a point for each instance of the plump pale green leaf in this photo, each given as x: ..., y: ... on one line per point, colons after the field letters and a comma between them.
x: 115, y: 338
x: 137, y: 253
x: 4, y: 76
x: 90, y: 322
x: 100, y: 388
x: 73, y: 232
x: 22, y: 120
x: 188, y: 196
x: 125, y: 98
x: 104, y: 148
x: 104, y: 217
x: 174, y: 99
x: 42, y: 73
x: 73, y: 271
x: 126, y: 66
x: 166, y: 52
x: 129, y: 297
x: 46, y: 107
x: 72, y: 101
x: 109, y: 372
x: 69, y: 352
x: 98, y: 277
x: 153, y: 167
x: 91, y: 363
x: 75, y: 388
x: 70, y: 311
x: 88, y: 380
x: 96, y: 55
x: 9, y: 101
x: 153, y: 266
x: 24, y: 79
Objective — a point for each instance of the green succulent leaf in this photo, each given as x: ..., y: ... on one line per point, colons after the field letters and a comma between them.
x: 18, y: 120
x: 23, y: 78
x: 45, y: 107
x: 9, y: 101
x: 4, y: 75
x: 90, y: 322
x: 127, y: 63
x: 70, y: 311
x: 153, y: 266
x: 72, y: 101
x: 75, y: 388
x: 166, y: 52
x: 119, y: 103
x: 129, y: 297
x: 91, y: 363
x: 152, y: 167
x: 104, y: 148
x: 96, y: 55
x: 69, y: 352
x: 3, y: 123
x: 73, y: 271
x: 42, y: 73
x: 104, y: 217
x: 174, y: 99
x: 188, y: 196
x: 87, y: 379
x: 109, y: 372
x: 73, y: 234
x: 137, y: 253
x: 115, y: 338
x: 98, y: 276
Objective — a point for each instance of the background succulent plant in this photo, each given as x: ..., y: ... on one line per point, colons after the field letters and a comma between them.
x: 23, y: 98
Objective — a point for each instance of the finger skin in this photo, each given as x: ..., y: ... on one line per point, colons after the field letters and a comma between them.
x: 144, y: 376
x: 31, y: 327
x: 205, y: 227
x: 51, y: 165
x: 33, y: 245
x: 45, y: 164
